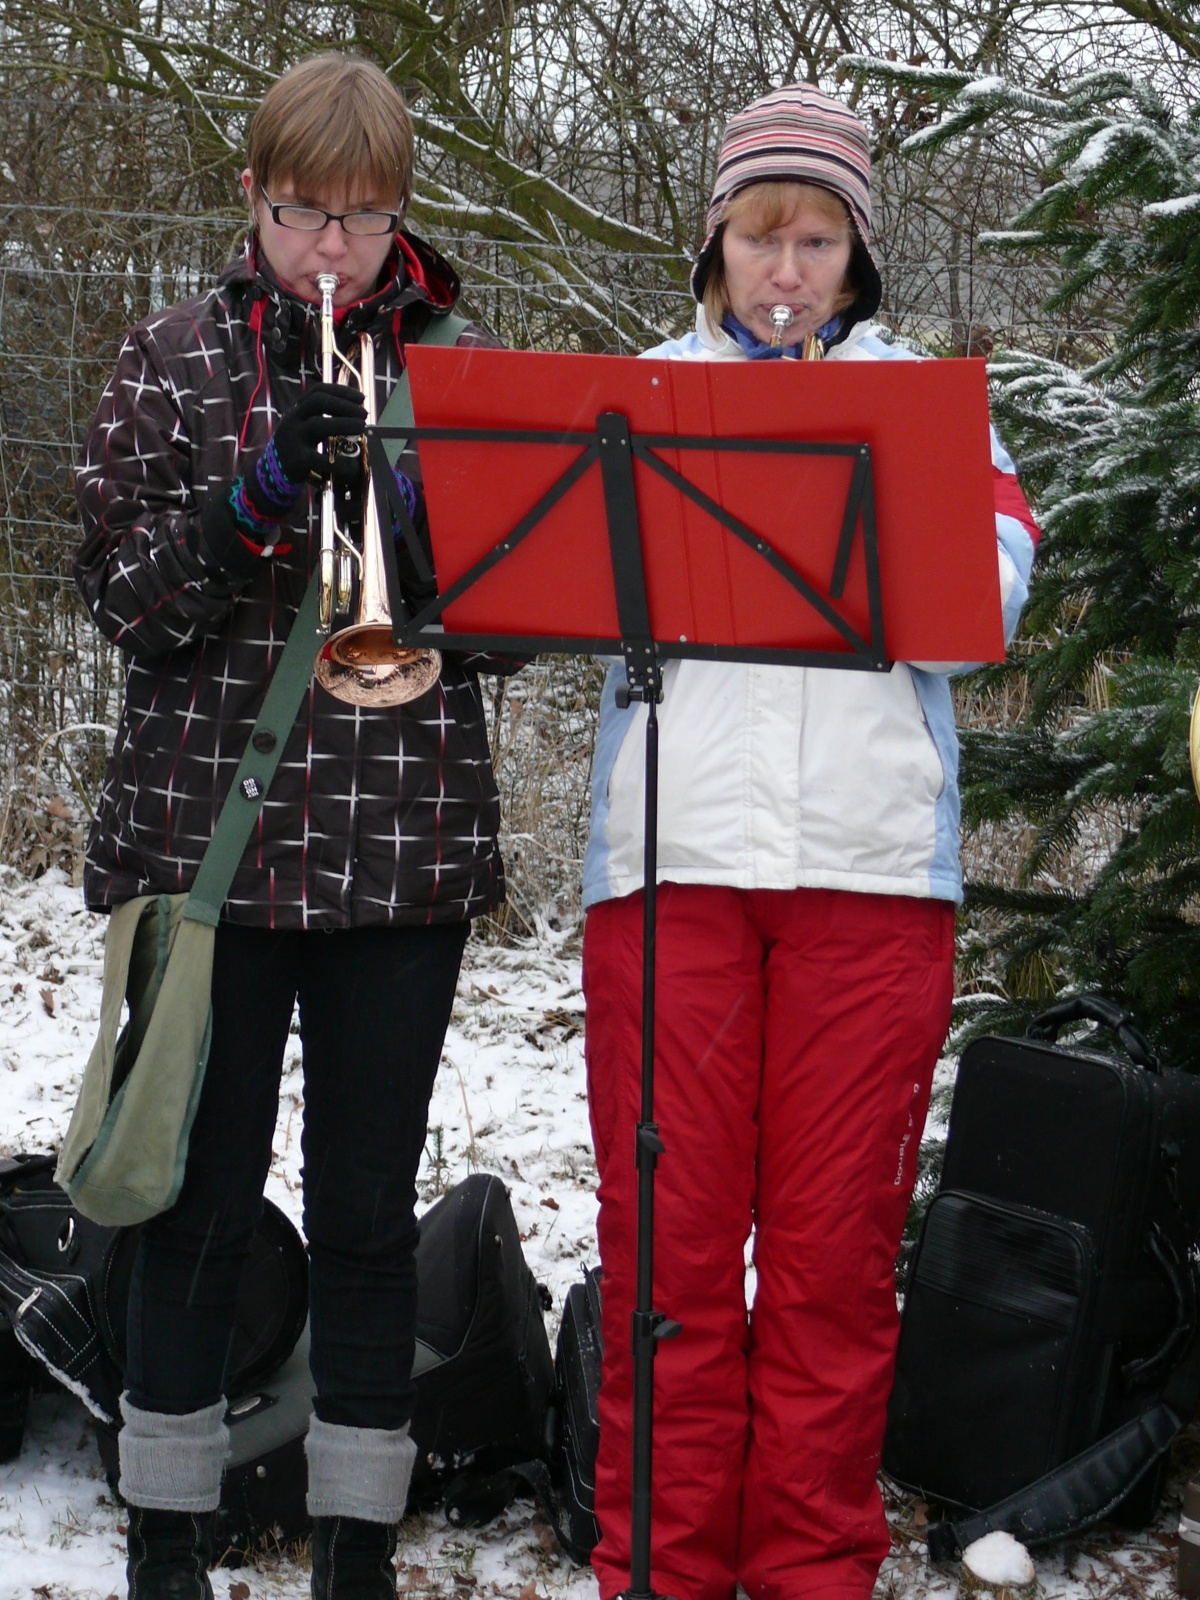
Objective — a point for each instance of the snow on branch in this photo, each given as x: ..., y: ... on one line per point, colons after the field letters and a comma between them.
x: 448, y: 207
x: 1115, y: 84
x: 1117, y: 143
x: 939, y: 133
x: 926, y: 79
x: 555, y: 277
x: 1010, y: 238
x: 536, y: 187
x: 1172, y: 208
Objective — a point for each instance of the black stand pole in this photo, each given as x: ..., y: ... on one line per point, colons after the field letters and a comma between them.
x: 643, y: 672
x: 649, y: 1325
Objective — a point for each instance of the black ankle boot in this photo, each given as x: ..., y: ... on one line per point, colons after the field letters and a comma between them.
x: 352, y: 1560
x: 170, y: 1553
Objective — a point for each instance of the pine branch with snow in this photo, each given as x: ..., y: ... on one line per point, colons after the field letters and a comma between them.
x: 1090, y: 792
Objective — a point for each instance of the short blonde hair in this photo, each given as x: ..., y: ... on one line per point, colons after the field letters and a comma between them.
x: 767, y: 205
x: 328, y: 122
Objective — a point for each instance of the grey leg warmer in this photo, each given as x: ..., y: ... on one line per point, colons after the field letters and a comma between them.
x: 358, y: 1472
x: 173, y: 1463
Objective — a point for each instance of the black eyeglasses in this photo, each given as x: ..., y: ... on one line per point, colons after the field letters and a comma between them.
x: 311, y: 219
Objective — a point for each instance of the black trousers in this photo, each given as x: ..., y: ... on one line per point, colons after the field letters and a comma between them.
x: 374, y: 1007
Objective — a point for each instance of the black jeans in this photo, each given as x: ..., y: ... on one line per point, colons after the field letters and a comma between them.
x: 374, y: 1007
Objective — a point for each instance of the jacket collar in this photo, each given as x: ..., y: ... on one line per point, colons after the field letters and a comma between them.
x: 723, y: 347
x: 415, y: 274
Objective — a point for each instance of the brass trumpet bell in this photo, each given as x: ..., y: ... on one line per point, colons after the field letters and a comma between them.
x: 364, y: 666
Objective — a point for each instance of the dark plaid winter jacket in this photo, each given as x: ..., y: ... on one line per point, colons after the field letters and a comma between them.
x: 374, y: 816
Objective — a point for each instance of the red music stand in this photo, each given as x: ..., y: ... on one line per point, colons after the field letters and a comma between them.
x: 733, y: 515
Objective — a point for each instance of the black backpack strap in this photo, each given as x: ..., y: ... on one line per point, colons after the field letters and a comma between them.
x: 474, y: 1499
x: 1092, y: 1484
x: 1080, y: 1492
x: 536, y: 1474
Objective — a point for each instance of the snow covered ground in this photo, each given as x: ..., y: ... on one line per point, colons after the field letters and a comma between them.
x: 510, y: 1099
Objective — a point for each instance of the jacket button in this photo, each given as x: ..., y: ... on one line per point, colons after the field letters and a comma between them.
x: 264, y: 741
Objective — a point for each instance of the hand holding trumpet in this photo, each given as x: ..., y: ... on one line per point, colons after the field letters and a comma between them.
x: 326, y: 411
x: 299, y: 451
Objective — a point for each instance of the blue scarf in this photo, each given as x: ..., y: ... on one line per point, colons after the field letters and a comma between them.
x: 756, y: 350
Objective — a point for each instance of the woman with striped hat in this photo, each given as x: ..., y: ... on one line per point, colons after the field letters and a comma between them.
x: 808, y: 863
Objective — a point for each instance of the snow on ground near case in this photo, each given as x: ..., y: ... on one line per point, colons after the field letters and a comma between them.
x: 510, y: 1099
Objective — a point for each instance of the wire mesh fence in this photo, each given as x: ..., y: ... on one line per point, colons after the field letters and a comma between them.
x: 69, y: 290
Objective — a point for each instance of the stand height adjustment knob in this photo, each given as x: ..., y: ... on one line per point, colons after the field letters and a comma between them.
x: 650, y: 1326
x: 648, y: 1138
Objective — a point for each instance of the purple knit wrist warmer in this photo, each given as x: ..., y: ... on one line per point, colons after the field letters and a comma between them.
x: 277, y: 489
x: 408, y: 490
x: 247, y: 513
x: 262, y: 499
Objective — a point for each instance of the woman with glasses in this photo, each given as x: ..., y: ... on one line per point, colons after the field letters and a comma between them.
x: 200, y: 495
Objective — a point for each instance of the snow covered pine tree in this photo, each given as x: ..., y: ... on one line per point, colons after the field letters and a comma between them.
x: 1095, y: 778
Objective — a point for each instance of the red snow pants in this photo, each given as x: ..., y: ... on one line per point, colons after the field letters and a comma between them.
x: 796, y: 1037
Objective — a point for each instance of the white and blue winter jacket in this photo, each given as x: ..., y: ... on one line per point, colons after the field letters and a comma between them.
x: 779, y: 777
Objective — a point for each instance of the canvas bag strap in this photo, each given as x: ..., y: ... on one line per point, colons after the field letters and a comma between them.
x: 473, y: 1499
x: 292, y: 676
x: 257, y: 767
x: 536, y: 1474
x: 398, y: 413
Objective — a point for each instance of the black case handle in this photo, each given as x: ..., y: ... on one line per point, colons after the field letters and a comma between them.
x: 1095, y: 1008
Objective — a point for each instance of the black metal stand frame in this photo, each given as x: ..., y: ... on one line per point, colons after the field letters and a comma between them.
x: 615, y: 449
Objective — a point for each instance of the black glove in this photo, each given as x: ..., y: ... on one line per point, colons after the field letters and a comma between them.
x: 294, y: 454
x: 327, y: 411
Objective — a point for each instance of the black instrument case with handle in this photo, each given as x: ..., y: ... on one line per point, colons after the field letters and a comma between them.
x: 1047, y: 1348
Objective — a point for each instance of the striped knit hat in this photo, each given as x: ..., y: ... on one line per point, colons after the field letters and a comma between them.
x: 799, y: 135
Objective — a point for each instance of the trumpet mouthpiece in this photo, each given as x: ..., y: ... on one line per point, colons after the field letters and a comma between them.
x: 781, y: 318
x: 327, y: 283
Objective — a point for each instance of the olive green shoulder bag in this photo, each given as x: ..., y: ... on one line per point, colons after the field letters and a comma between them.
x: 126, y: 1147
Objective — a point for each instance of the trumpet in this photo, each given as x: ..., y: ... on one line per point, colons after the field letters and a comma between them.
x: 782, y: 319
x: 1194, y: 744
x: 361, y: 663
